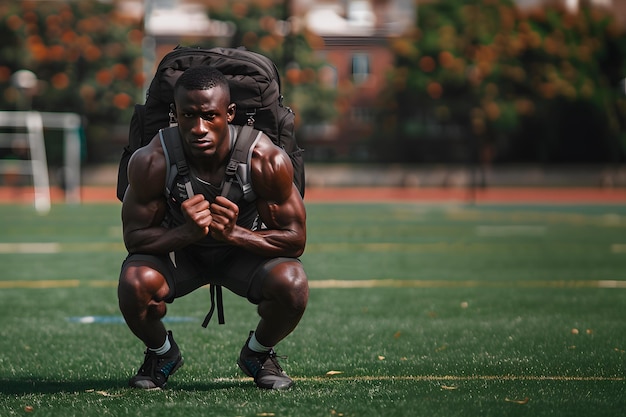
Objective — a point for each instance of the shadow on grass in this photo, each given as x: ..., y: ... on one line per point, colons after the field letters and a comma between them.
x: 34, y: 385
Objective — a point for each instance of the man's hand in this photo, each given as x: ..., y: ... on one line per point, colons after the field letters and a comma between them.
x: 225, y: 214
x: 197, y: 215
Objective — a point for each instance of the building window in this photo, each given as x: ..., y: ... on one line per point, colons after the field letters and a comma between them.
x: 360, y: 67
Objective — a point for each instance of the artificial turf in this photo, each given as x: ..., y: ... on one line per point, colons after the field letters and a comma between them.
x: 415, y: 310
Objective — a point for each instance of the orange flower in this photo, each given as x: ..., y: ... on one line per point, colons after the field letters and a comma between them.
x: 308, y: 75
x: 104, y: 77
x: 547, y: 90
x: 267, y: 43
x: 239, y: 9
x: 120, y: 71
x: 249, y: 39
x: 14, y: 23
x: 139, y: 79
x: 427, y: 64
x: 60, y: 81
x: 434, y: 90
x: 30, y: 17
x: 87, y: 92
x: 268, y: 23
x: 56, y: 53
x: 122, y: 101
x: 524, y: 106
x: 492, y: 110
x: 68, y: 36
x: 293, y: 76
x: 92, y: 53
x: 403, y: 47
x: 39, y: 52
x: 446, y: 59
x: 5, y: 74
x: 135, y: 36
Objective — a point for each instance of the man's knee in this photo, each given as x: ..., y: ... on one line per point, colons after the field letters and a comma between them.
x: 140, y: 282
x: 288, y: 284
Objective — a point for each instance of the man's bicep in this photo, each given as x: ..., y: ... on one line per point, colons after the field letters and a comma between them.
x: 287, y: 215
x: 144, y: 203
x: 137, y: 214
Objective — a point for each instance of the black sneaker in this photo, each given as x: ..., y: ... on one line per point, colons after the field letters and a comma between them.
x: 264, y: 368
x: 157, y: 368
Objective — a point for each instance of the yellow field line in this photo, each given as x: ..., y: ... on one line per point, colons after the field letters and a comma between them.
x: 59, y: 283
x: 445, y: 378
x: 57, y: 247
x: 450, y: 378
x: 368, y: 283
x: 396, y: 283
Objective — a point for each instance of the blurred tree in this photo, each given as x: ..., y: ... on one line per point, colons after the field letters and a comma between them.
x: 507, y: 86
x: 86, y: 57
x: 266, y: 27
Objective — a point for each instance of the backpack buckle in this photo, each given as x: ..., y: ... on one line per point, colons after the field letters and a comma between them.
x: 251, y: 115
x: 231, y: 168
x: 172, y: 117
x: 246, y: 188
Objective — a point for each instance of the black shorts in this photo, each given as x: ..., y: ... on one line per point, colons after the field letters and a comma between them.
x: 186, y: 270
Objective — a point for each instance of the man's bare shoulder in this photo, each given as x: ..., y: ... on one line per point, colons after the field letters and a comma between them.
x: 149, y: 156
x: 271, y: 170
x: 147, y: 167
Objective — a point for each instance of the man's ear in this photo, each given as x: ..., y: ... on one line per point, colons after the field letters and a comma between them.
x: 232, y: 109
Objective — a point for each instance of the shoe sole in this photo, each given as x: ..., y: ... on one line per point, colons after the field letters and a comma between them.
x: 150, y: 384
x: 245, y: 371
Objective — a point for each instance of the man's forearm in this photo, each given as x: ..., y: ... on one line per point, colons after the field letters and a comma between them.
x: 269, y: 242
x: 158, y: 240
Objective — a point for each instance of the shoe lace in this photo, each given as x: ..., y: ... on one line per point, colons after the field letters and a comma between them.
x: 273, y: 358
x: 149, y: 362
x: 154, y: 363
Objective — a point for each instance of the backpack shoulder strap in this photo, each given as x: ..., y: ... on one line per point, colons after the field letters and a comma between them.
x: 170, y: 141
x: 238, y: 168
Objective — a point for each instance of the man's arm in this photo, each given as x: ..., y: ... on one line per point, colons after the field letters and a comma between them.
x: 144, y: 207
x: 279, y: 204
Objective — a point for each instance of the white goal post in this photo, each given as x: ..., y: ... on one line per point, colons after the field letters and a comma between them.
x: 29, y: 131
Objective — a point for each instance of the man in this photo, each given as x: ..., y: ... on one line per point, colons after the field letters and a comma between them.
x: 177, y: 247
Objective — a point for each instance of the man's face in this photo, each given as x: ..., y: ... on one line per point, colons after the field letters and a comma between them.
x: 203, y: 117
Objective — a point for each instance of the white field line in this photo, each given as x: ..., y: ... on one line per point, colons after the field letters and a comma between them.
x: 49, y: 247
x: 86, y: 247
x: 369, y: 283
x: 510, y: 230
x: 395, y: 283
x: 618, y: 248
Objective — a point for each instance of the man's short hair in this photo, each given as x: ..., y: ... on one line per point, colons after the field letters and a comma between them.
x: 201, y: 78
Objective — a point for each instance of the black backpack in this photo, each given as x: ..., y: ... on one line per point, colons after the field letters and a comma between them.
x: 254, y: 87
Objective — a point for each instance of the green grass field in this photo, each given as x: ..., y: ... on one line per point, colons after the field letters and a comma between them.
x: 415, y: 310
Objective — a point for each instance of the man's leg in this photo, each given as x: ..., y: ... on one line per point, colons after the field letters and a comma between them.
x: 141, y: 292
x: 285, y: 294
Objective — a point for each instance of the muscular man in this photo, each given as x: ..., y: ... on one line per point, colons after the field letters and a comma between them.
x: 176, y: 247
